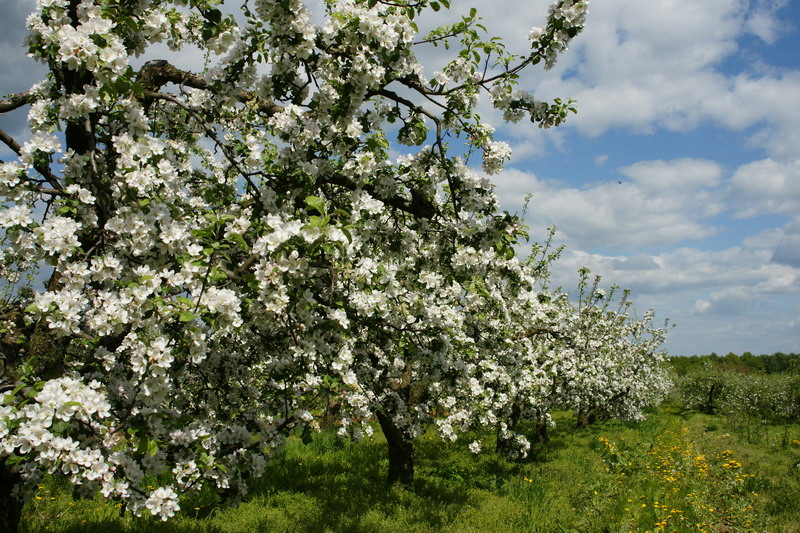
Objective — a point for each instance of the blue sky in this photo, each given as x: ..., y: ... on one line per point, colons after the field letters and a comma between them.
x: 678, y: 178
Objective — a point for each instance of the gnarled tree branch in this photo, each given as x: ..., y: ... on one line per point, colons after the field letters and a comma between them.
x: 157, y: 73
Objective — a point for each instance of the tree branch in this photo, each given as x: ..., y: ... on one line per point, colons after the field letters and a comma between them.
x: 16, y: 101
x: 418, y: 206
x: 211, y: 134
x: 41, y: 169
x: 154, y: 74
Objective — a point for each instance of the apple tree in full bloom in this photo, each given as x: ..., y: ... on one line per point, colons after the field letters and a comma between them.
x: 615, y: 367
x: 236, y: 252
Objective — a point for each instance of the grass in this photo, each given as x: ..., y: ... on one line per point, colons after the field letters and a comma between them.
x: 672, y: 472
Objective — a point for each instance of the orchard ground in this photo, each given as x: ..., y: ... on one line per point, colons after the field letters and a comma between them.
x: 675, y: 471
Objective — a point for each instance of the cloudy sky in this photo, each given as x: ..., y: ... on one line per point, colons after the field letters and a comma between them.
x: 680, y: 176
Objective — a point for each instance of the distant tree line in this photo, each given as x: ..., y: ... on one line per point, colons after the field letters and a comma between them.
x: 776, y: 363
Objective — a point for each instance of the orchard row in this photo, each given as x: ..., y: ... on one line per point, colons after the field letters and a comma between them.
x: 237, y: 253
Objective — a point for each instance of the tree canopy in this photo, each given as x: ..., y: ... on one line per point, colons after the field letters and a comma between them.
x: 238, y: 252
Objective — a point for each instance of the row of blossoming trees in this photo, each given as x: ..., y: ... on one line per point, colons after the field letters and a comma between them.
x: 749, y: 400
x: 236, y: 252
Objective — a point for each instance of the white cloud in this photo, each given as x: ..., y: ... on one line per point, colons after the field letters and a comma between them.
x: 661, y: 64
x: 644, y: 64
x: 702, y: 306
x: 788, y: 250
x: 661, y: 176
x: 664, y: 205
x: 765, y: 22
x: 723, y: 300
x: 635, y: 262
x: 766, y: 186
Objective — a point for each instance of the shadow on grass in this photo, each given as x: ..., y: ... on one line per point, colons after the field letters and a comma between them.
x: 333, y: 485
x: 327, y: 485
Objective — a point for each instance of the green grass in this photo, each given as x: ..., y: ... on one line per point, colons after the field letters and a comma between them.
x: 672, y: 472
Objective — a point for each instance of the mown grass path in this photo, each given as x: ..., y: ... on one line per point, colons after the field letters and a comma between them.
x: 668, y: 473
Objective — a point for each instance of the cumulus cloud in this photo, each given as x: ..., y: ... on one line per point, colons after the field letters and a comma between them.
x: 702, y: 306
x: 721, y: 300
x: 13, y: 57
x: 788, y: 250
x: 645, y: 66
x: 766, y: 186
x: 642, y: 65
x: 635, y: 262
x: 686, y: 174
x: 764, y: 22
x: 600, y: 160
x: 665, y: 203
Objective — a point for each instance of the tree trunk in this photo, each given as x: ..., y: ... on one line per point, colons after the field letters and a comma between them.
x: 10, y: 507
x: 401, y: 451
x: 541, y: 431
x: 709, y: 407
x: 586, y: 418
x: 504, y: 445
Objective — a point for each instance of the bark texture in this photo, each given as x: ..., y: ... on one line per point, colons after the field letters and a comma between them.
x: 401, y: 451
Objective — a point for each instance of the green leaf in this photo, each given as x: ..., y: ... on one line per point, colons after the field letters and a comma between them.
x: 217, y: 275
x: 59, y: 427
x: 152, y: 447
x: 214, y: 16
x: 435, y: 6
x: 319, y: 222
x: 186, y: 316
x: 317, y: 203
x: 238, y: 239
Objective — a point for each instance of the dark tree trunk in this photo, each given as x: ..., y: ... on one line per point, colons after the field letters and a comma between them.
x: 401, y: 451
x: 504, y: 445
x: 541, y: 432
x: 10, y: 507
x: 586, y: 418
x: 709, y: 407
x: 332, y: 408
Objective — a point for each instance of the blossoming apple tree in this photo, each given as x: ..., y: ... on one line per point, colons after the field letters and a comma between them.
x: 615, y: 369
x: 235, y: 252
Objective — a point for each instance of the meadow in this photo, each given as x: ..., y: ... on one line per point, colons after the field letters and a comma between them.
x: 675, y: 471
